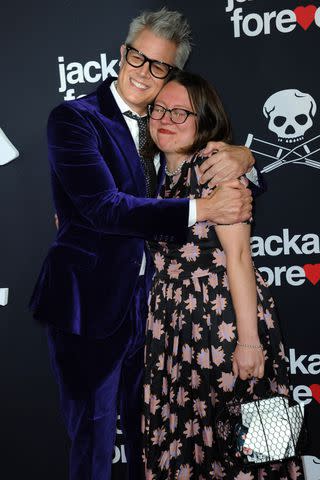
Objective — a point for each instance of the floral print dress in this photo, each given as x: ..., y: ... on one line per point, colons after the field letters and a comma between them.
x: 191, y: 335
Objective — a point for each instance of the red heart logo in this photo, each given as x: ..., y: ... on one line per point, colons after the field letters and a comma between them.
x: 305, y: 15
x: 315, y: 389
x: 312, y: 272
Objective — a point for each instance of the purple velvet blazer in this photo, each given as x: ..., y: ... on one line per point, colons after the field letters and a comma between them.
x: 89, y: 275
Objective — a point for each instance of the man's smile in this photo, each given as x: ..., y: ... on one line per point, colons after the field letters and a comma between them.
x: 138, y: 85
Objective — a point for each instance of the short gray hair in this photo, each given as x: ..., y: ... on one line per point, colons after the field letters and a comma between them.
x: 170, y: 25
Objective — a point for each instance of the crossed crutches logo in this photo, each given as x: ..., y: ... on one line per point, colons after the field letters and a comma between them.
x: 290, y: 114
x: 282, y: 156
x: 8, y: 152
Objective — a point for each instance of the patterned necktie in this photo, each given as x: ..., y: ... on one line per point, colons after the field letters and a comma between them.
x: 147, y: 163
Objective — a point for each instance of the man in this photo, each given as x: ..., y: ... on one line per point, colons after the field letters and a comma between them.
x: 92, y: 291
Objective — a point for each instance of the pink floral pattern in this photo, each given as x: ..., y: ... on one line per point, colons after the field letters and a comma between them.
x: 157, y: 329
x: 174, y: 269
x: 226, y: 331
x: 159, y: 435
x: 190, y: 252
x: 159, y: 261
x: 191, y: 336
x: 201, y: 229
x: 219, y: 258
x: 219, y: 304
x: 203, y: 358
x: 217, y: 355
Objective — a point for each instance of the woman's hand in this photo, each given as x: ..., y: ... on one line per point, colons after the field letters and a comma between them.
x: 248, y: 362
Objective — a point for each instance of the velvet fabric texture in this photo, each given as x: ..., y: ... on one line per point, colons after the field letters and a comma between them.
x: 89, y: 291
x: 93, y: 378
x: 88, y: 277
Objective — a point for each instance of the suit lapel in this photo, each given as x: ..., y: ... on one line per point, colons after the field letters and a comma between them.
x: 119, y: 131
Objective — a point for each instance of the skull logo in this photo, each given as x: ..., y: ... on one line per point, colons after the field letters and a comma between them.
x: 290, y: 113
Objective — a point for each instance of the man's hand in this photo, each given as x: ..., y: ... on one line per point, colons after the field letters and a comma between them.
x: 228, y: 163
x: 230, y: 202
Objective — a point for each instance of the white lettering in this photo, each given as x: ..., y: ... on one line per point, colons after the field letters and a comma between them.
x: 62, y: 75
x: 91, y: 72
x: 119, y: 431
x: 253, y: 24
x: 275, y: 245
x: 123, y: 454
x: 117, y: 455
x: 235, y: 19
x: 257, y: 246
x: 230, y: 4
x: 269, y: 240
x: 302, y: 394
x: 4, y: 293
x: 267, y: 19
x: 314, y: 366
x: 290, y: 243
x: 70, y: 94
x: 295, y: 276
x: 86, y: 71
x: 108, y: 69
x: 75, y: 74
x: 277, y: 275
x: 297, y: 363
x: 317, y: 17
x: 284, y: 17
x: 256, y: 23
x: 313, y: 243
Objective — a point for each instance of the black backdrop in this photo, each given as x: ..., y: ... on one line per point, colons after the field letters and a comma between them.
x: 250, y: 50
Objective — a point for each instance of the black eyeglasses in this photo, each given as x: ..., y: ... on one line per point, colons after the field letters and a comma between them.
x: 137, y: 59
x: 177, y: 115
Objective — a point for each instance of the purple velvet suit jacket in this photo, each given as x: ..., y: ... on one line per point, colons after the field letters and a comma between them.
x: 89, y: 275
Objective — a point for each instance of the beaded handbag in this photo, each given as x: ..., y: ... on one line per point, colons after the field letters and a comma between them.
x: 261, y: 431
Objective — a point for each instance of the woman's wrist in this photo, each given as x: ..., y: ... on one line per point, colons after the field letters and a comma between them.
x: 247, y: 334
x: 250, y: 345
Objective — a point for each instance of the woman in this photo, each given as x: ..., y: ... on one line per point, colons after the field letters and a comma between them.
x: 211, y: 316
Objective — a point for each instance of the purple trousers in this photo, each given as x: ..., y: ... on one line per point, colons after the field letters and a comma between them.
x: 94, y: 376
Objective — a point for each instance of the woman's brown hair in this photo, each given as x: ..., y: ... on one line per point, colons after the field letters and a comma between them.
x: 212, y: 120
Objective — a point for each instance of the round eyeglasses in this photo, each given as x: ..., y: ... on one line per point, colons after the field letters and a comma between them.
x: 177, y: 115
x: 137, y: 59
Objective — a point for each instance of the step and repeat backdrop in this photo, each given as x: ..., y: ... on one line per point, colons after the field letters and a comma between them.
x: 262, y: 56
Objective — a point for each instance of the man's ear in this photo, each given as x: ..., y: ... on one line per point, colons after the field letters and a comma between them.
x: 122, y: 55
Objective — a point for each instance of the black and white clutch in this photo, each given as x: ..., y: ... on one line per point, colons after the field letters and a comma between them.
x: 260, y: 431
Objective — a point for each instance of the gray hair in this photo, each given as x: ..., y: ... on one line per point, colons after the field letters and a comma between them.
x: 166, y: 24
